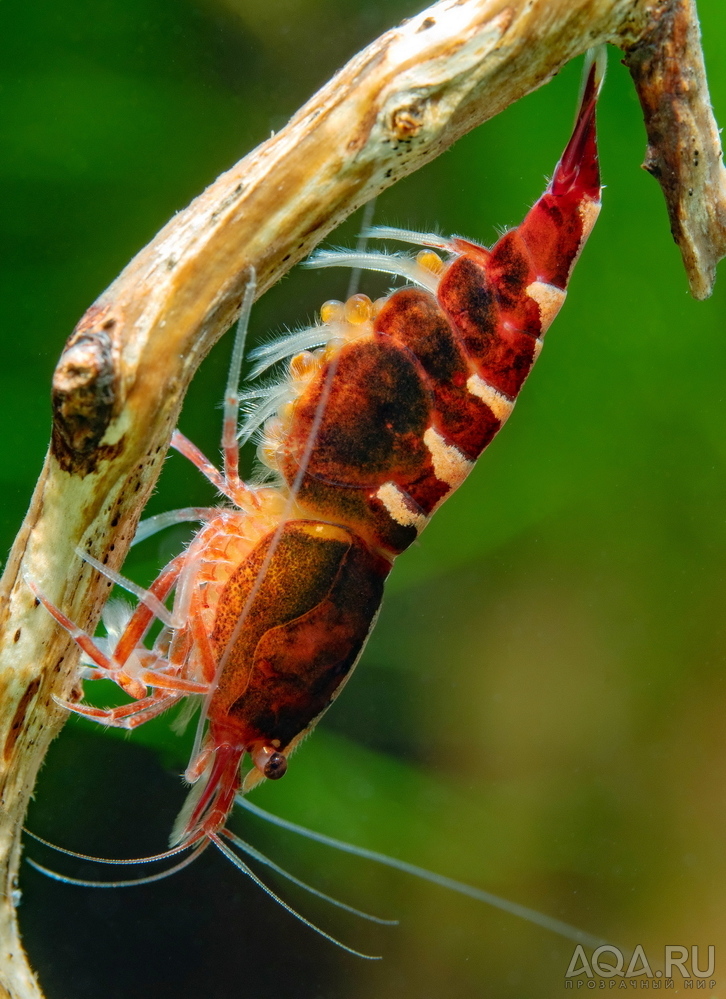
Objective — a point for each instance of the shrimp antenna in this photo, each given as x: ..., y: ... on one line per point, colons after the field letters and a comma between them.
x: 107, y: 860
x: 513, y: 908
x: 262, y: 859
x: 55, y: 876
x: 240, y: 865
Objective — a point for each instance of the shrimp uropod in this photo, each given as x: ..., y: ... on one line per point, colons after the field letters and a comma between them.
x: 382, y: 411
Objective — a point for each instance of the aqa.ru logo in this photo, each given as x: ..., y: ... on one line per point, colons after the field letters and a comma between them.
x: 608, y: 963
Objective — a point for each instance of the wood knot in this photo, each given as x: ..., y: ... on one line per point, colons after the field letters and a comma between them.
x: 652, y: 162
x: 407, y: 122
x: 84, y: 395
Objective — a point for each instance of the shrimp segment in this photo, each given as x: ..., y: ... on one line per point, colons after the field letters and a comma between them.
x: 423, y: 390
x: 366, y: 436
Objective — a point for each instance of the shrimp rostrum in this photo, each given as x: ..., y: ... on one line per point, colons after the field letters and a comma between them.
x: 382, y: 411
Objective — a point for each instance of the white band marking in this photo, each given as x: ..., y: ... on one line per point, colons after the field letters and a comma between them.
x: 588, y: 211
x: 397, y: 506
x: 498, y: 403
x: 549, y: 298
x: 450, y: 465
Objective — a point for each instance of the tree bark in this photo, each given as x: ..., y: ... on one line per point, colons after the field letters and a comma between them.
x: 121, y: 378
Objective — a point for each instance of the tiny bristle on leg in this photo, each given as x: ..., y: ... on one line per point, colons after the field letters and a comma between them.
x: 408, y: 236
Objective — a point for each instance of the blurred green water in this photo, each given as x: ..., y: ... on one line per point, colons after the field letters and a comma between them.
x: 539, y: 711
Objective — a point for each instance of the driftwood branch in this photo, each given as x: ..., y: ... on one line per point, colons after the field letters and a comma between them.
x: 684, y: 147
x: 122, y: 376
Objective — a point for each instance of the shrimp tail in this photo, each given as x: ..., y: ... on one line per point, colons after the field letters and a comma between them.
x: 578, y: 169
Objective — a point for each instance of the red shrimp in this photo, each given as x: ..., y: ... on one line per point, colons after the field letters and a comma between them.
x: 382, y: 412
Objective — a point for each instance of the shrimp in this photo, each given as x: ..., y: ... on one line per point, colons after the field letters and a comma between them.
x: 382, y: 411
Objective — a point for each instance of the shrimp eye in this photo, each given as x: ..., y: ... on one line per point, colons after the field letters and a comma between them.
x: 271, y: 763
x: 275, y: 767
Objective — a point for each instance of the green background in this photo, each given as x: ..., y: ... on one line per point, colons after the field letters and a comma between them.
x: 540, y: 710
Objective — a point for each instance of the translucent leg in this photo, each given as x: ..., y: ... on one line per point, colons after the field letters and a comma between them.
x: 198, y: 764
x: 408, y: 236
x: 201, y: 638
x: 143, y: 615
x: 152, y: 678
x: 80, y: 637
x: 305, y: 339
x: 389, y: 263
x: 240, y: 495
x: 187, y: 514
x: 147, y: 597
x: 110, y: 667
x: 127, y: 716
x: 184, y: 446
